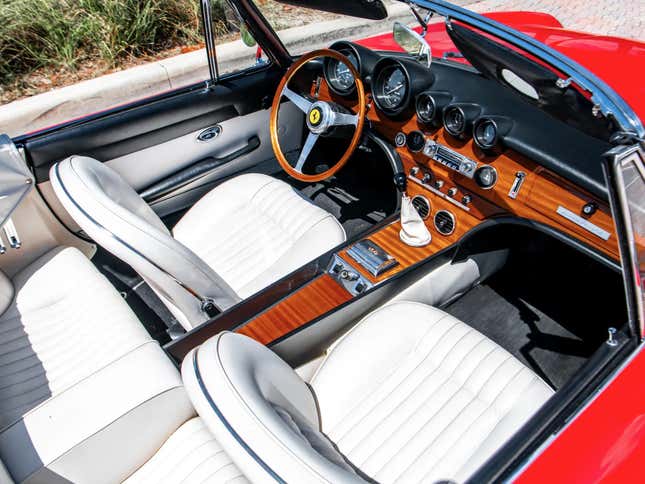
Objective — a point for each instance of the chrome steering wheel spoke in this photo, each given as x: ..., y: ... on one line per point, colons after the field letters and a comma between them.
x: 306, y: 150
x: 344, y: 119
x: 300, y: 101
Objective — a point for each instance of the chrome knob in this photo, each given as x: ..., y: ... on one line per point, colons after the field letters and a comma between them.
x: 438, y: 184
x: 414, y: 170
x: 452, y: 191
x: 427, y: 178
x: 466, y: 199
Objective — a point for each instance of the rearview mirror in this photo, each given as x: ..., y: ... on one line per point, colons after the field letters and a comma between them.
x: 412, y: 43
x: 368, y: 9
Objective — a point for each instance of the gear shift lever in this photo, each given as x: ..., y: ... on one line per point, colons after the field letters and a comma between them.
x: 413, y: 230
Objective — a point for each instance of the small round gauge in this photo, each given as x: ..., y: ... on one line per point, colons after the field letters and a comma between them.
x: 486, y: 177
x: 485, y: 134
x: 454, y: 120
x: 415, y: 141
x: 426, y: 108
x: 391, y: 87
x: 339, y: 77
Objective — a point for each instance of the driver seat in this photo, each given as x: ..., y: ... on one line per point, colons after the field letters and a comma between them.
x: 239, y: 238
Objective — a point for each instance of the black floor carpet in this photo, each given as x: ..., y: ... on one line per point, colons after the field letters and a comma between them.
x: 147, y: 306
x: 543, y: 328
x: 359, y: 196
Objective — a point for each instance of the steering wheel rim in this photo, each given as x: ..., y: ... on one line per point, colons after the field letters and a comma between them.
x: 307, y: 106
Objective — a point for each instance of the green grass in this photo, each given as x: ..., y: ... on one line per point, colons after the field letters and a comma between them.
x: 66, y: 33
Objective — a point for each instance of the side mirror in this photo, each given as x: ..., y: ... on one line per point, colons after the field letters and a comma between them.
x: 412, y: 43
x: 246, y: 36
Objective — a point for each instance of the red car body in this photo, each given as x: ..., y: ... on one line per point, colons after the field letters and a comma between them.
x: 619, y: 62
x: 606, y: 441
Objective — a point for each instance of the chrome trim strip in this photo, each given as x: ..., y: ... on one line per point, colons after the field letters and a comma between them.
x: 605, y: 97
x: 209, y: 36
x: 582, y: 222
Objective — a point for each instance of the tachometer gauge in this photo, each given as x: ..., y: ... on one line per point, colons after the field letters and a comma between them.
x: 395, y: 87
x: 338, y: 75
x: 342, y: 75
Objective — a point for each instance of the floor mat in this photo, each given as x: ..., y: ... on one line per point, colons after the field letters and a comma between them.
x: 147, y: 306
x: 356, y: 199
x: 543, y: 344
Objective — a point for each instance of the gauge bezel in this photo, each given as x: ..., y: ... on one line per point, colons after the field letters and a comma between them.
x: 446, y: 125
x: 421, y: 117
x: 482, y: 167
x: 383, y: 68
x: 329, y: 67
x: 478, y: 124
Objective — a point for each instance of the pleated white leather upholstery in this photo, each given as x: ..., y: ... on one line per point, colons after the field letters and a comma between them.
x: 410, y: 394
x: 242, y: 236
x: 254, y: 229
x: 64, y: 323
x: 113, y: 214
x: 190, y: 455
x: 269, y: 408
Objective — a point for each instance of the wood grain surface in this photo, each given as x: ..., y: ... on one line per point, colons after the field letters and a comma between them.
x: 541, y: 194
x: 320, y: 296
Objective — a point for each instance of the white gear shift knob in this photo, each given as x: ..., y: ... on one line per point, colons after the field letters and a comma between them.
x: 413, y: 230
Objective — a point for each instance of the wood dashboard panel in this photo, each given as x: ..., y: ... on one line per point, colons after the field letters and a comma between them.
x: 542, y: 192
x: 309, y: 302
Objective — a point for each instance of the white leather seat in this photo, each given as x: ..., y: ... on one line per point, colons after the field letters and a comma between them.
x: 85, y: 394
x: 242, y: 236
x: 61, y: 321
x: 410, y: 394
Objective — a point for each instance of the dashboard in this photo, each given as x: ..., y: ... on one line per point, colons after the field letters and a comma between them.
x: 474, y: 150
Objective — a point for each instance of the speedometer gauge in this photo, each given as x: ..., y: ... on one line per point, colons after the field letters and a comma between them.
x: 392, y: 87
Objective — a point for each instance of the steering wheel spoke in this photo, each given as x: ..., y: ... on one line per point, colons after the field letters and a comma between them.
x: 344, y: 119
x: 300, y: 101
x: 320, y: 116
x: 306, y: 150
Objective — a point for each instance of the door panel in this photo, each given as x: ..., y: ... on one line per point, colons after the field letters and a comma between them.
x: 116, y: 134
x: 145, y: 151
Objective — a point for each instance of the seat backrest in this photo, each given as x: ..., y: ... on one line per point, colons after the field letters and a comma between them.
x: 111, y: 212
x: 262, y: 413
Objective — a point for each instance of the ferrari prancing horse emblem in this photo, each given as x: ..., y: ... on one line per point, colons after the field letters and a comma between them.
x: 314, y: 116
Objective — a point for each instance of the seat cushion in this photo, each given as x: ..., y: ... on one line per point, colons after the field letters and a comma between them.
x: 64, y: 323
x: 190, y: 455
x: 412, y: 394
x: 253, y: 230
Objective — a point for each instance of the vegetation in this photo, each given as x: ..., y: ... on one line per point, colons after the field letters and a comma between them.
x: 63, y: 34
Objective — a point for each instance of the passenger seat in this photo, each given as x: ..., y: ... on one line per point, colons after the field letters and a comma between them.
x: 86, y: 395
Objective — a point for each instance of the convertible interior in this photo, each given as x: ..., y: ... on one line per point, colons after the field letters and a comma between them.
x: 364, y: 266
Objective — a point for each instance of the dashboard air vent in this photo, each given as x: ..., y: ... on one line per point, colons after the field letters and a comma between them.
x: 422, y: 205
x: 444, y: 222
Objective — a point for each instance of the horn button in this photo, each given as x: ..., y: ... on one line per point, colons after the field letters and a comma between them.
x: 320, y: 117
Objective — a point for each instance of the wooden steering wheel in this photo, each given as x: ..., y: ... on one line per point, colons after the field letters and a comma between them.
x: 320, y: 117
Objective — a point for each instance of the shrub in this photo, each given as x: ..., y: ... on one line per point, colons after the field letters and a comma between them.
x: 65, y: 33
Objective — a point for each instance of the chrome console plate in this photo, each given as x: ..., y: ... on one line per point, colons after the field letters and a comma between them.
x: 347, y: 276
x: 582, y: 222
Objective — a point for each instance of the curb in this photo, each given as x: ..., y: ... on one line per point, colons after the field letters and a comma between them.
x: 86, y: 97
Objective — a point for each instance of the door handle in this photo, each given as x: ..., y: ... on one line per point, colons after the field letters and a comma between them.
x: 195, y: 171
